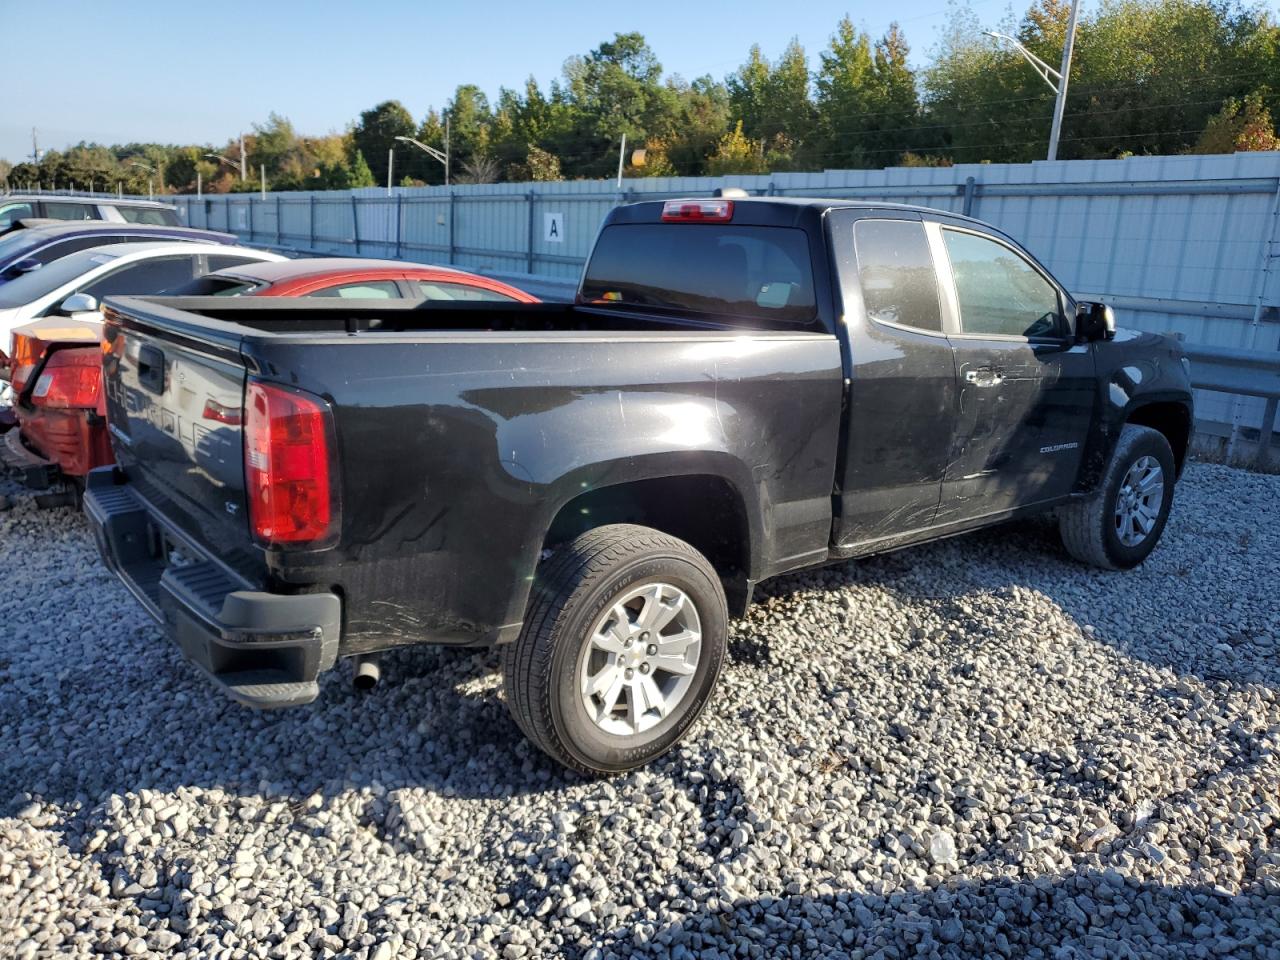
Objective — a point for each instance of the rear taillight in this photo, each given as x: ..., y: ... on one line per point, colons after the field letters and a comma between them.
x: 697, y: 211
x: 70, y: 379
x: 290, y: 478
x: 23, y: 353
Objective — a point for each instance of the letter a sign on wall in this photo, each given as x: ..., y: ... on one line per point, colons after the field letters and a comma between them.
x: 553, y: 227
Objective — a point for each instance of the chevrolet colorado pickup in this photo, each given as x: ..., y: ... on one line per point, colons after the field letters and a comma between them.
x: 743, y: 387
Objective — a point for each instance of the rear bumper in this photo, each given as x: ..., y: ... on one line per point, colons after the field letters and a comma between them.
x: 262, y: 649
x: 28, y: 467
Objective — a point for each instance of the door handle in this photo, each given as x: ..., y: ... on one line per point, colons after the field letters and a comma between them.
x: 984, y: 377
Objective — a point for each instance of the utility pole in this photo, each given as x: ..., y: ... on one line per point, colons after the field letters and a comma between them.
x: 391, y: 159
x: 244, y: 161
x: 446, y: 151
x: 622, y: 153
x: 1063, y: 76
x: 262, y: 170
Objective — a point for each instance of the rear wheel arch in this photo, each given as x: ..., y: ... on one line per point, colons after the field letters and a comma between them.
x: 706, y: 510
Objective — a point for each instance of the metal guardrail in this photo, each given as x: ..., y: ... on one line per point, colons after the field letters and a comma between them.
x: 1234, y: 371
x: 1242, y: 373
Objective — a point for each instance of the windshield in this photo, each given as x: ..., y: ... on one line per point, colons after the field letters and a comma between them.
x: 30, y: 287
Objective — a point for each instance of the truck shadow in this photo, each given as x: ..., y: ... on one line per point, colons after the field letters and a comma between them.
x: 1082, y: 914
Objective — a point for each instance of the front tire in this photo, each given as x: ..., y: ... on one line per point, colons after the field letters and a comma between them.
x: 1119, y: 527
x: 621, y: 649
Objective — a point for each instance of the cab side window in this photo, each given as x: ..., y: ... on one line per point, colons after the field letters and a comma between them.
x: 1000, y: 292
x: 899, y: 283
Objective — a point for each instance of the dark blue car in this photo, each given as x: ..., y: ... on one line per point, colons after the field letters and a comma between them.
x: 31, y: 247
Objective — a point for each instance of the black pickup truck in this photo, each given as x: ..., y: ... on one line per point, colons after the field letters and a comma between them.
x: 743, y: 387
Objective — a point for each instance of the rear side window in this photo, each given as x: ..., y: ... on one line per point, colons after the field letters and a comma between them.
x: 368, y: 290
x: 69, y: 211
x: 747, y: 272
x: 155, y: 216
x: 437, y: 290
x: 899, y: 282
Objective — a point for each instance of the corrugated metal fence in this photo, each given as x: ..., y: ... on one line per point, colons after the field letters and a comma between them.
x: 1183, y: 244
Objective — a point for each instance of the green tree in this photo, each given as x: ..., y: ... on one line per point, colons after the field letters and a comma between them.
x: 538, y: 165
x: 866, y: 99
x: 376, y: 134
x: 737, y: 153
x: 773, y: 100
x: 470, y: 119
x: 360, y: 175
x: 614, y: 90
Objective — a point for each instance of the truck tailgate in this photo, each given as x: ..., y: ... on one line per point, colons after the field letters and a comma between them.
x: 174, y: 405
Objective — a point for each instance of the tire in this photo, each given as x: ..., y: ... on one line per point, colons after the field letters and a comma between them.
x: 583, y: 591
x: 1102, y: 531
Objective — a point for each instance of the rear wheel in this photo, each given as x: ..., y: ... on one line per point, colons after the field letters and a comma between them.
x: 621, y: 650
x: 1118, y: 528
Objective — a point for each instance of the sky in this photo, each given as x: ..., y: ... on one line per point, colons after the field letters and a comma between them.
x: 179, y: 72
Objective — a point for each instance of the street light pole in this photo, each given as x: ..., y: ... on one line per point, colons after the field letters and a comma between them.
x: 1056, y: 79
x: 1064, y: 75
x: 391, y: 159
x: 432, y: 152
x: 151, y: 193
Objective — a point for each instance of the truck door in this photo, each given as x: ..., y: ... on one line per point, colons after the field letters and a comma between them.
x: 901, y: 383
x: 1026, y: 389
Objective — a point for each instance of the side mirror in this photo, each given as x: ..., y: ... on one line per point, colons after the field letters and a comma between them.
x: 79, y: 303
x: 1095, y: 321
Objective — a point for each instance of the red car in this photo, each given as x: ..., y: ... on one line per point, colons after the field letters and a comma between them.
x: 56, y: 384
x: 351, y: 277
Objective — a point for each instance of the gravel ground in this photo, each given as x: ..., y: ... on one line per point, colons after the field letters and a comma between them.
x: 975, y: 748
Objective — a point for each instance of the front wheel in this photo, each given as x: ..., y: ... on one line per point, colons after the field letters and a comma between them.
x: 621, y: 649
x: 1118, y: 528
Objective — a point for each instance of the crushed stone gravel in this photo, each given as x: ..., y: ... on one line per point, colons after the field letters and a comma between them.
x: 975, y: 748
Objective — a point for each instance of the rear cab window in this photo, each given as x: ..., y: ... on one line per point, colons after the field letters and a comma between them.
x: 759, y: 274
